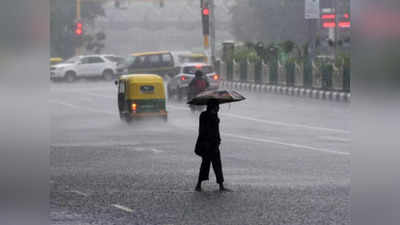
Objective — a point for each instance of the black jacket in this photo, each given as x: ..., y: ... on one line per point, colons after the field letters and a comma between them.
x: 209, y: 138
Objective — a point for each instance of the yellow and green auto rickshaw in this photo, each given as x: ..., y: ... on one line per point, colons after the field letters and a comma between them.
x: 141, y: 95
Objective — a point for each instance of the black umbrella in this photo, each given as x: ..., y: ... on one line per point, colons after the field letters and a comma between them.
x: 222, y: 96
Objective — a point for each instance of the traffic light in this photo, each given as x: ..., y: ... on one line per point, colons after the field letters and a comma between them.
x: 328, y: 20
x: 205, y: 15
x: 78, y: 28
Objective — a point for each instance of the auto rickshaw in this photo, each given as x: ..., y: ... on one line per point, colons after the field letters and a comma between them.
x: 141, y: 96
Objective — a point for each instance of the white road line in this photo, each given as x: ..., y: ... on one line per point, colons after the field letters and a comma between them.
x: 331, y: 138
x: 286, y: 144
x: 80, y: 107
x: 273, y: 122
x: 123, y: 208
x: 298, y: 146
x: 236, y: 136
x: 81, y: 89
x: 286, y: 124
x: 276, y: 123
x: 156, y: 150
x: 79, y: 193
x: 103, y: 96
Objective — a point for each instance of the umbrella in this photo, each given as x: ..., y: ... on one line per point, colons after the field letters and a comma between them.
x: 222, y: 96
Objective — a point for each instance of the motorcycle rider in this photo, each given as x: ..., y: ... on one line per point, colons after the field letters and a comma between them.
x: 198, y: 84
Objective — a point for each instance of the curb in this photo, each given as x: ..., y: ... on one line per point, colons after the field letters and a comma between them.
x: 290, y: 91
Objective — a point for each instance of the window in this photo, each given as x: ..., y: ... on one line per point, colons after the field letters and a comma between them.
x: 95, y: 60
x: 130, y: 59
x: 166, y: 59
x: 193, y: 69
x: 121, y: 89
x: 147, y: 89
x: 139, y: 61
x: 85, y: 60
x: 154, y: 59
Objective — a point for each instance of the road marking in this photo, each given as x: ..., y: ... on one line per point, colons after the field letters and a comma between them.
x: 80, y: 107
x: 280, y: 143
x: 79, y: 193
x: 81, y: 89
x: 273, y: 122
x: 236, y: 136
x: 124, y: 208
x: 103, y: 96
x: 276, y: 123
x: 156, y: 150
x: 331, y: 138
x: 286, y: 144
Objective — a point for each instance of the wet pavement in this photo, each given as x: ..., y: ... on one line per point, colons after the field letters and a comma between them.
x: 287, y: 160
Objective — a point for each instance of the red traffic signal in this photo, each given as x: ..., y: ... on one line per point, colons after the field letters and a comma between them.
x: 205, y: 19
x: 78, y: 29
x: 329, y: 24
x: 328, y: 16
x: 206, y: 12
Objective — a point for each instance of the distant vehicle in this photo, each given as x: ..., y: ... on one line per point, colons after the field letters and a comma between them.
x: 140, y: 96
x: 55, y: 60
x: 160, y: 63
x: 189, y: 57
x: 178, y: 85
x: 86, y: 66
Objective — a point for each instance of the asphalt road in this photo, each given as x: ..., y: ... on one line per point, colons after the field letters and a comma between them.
x: 286, y: 158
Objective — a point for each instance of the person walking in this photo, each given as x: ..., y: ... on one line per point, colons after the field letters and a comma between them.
x: 207, y: 146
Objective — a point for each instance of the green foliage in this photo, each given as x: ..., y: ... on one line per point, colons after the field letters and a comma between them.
x: 63, y: 40
x: 287, y: 46
x: 246, y: 52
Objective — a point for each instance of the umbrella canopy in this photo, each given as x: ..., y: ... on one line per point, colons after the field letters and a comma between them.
x: 222, y: 96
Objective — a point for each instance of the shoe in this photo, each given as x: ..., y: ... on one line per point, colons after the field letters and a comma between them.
x: 224, y: 189
x: 198, y: 189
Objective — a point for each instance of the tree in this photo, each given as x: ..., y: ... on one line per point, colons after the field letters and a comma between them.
x: 63, y: 40
x: 270, y: 21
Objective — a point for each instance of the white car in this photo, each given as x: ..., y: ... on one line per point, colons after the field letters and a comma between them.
x: 86, y: 66
x: 178, y: 84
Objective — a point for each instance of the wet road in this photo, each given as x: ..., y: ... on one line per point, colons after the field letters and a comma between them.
x: 287, y: 158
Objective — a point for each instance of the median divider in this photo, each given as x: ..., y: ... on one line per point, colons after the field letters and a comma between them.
x: 290, y: 91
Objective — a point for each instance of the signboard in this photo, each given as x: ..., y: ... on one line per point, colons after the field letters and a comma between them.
x: 312, y: 10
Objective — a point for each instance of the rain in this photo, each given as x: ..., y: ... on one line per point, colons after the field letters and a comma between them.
x: 200, y: 112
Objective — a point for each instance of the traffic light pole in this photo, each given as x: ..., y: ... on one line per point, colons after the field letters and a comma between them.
x: 78, y: 18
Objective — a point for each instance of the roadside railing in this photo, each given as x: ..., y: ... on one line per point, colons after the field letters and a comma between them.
x: 307, y: 74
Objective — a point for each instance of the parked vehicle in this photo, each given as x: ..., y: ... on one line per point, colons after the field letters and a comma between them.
x: 141, y: 96
x: 160, y: 63
x: 86, y: 66
x: 178, y: 85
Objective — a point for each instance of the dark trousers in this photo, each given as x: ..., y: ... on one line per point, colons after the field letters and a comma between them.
x: 215, y: 159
